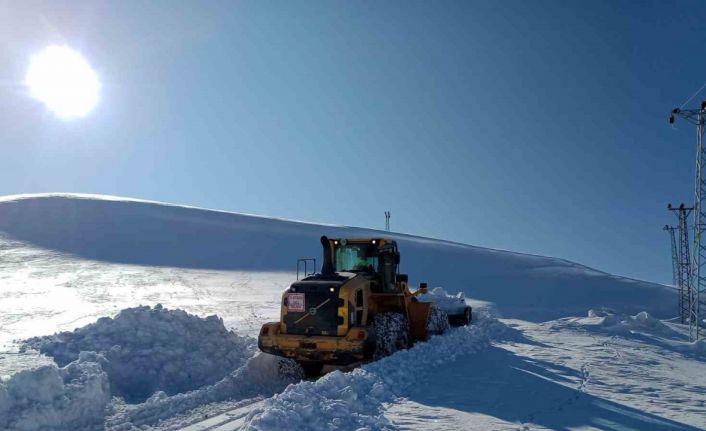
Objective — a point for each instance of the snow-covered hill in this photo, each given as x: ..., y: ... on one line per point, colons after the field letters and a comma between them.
x: 67, y: 261
x: 115, y: 230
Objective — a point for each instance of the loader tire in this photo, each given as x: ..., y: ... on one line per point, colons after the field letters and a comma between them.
x: 289, y: 369
x: 467, y: 316
x: 391, y: 332
x: 438, y: 321
x: 312, y: 369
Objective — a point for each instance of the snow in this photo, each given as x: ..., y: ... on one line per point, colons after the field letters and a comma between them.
x: 354, y: 400
x: 153, y: 349
x: 532, y: 359
x: 554, y: 377
x: 451, y: 304
x: 257, y: 378
x: 641, y: 322
x: 163, y: 361
x: 151, y: 235
x: 70, y: 398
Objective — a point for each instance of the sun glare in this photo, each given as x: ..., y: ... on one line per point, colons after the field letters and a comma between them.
x: 62, y: 79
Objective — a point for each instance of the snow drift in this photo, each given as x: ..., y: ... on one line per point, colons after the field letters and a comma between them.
x: 145, y: 350
x: 148, y: 233
x: 621, y: 323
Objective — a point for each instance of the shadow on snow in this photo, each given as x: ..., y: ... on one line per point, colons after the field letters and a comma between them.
x: 500, y: 384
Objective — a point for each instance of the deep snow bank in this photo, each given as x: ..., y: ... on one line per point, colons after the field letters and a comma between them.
x: 51, y: 398
x: 355, y: 400
x: 153, y: 349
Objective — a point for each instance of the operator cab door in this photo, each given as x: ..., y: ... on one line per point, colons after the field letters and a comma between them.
x: 357, y: 314
x: 388, y: 261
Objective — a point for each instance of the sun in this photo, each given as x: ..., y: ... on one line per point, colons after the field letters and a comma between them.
x: 62, y: 79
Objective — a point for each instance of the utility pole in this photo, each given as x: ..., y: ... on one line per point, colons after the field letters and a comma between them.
x: 675, y: 268
x: 387, y: 221
x: 697, y: 298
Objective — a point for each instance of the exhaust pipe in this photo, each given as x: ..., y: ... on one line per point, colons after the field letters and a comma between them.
x: 327, y: 267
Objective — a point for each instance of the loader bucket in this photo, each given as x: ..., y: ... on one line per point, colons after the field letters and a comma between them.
x: 418, y: 316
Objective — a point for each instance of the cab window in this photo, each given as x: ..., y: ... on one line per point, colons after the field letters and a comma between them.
x: 355, y: 257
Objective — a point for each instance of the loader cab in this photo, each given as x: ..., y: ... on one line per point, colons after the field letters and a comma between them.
x: 375, y: 258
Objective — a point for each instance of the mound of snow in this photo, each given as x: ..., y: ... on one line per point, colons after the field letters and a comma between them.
x: 354, y: 400
x: 153, y: 349
x: 641, y: 322
x: 51, y: 398
x: 172, y: 360
x: 451, y: 304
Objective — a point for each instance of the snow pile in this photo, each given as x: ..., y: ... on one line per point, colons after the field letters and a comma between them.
x: 354, y: 400
x: 153, y: 349
x: 51, y: 398
x: 615, y: 322
x: 261, y: 376
x: 178, y: 360
x: 451, y: 304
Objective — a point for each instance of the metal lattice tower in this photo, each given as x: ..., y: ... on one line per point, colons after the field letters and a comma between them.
x: 387, y: 221
x: 675, y: 268
x: 684, y: 272
x: 697, y: 299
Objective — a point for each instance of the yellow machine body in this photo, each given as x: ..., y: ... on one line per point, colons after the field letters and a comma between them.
x: 326, y: 318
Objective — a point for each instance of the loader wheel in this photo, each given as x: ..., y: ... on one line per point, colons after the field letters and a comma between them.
x: 438, y: 321
x: 467, y: 316
x: 391, y: 332
x: 289, y: 369
x: 312, y: 369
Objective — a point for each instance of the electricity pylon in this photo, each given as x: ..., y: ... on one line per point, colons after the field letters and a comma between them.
x: 697, y: 299
x: 684, y: 273
x: 675, y: 268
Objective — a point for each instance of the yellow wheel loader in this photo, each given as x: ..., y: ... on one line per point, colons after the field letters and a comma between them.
x: 358, y: 308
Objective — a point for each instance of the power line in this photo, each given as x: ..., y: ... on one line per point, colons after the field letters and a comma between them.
x: 693, y: 95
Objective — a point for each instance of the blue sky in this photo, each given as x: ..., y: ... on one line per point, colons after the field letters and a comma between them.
x: 531, y: 126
